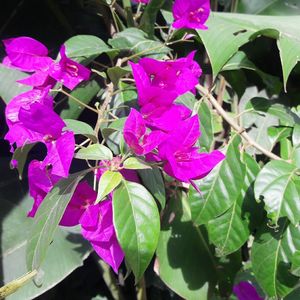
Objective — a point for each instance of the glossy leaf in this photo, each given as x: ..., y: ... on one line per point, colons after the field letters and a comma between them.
x: 230, y: 31
x: 232, y: 229
x: 278, y: 133
x: 47, y: 219
x: 86, y: 46
x: 85, y: 93
x: 94, y: 152
x: 148, y: 19
x: 271, y: 255
x: 154, y: 182
x: 270, y: 7
x: 136, y: 41
x: 262, y: 105
x: 108, y: 182
x: 185, y: 261
x: 20, y: 155
x: 206, y: 127
x: 241, y: 61
x: 9, y: 88
x: 295, y: 269
x: 82, y: 128
x: 220, y: 187
x: 278, y: 185
x: 135, y: 164
x: 137, y: 224
x: 116, y: 73
x: 296, y: 135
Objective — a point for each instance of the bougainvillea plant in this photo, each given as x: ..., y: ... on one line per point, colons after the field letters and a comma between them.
x: 179, y: 172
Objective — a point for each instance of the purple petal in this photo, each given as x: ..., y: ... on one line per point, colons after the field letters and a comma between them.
x: 38, y: 79
x: 246, y: 291
x: 174, y: 115
x: 68, y: 72
x: 97, y: 227
x: 83, y: 196
x: 153, y: 140
x: 42, y: 119
x: 27, y: 54
x: 191, y: 14
x: 192, y: 167
x: 41, y: 182
x: 24, y: 101
x: 60, y: 154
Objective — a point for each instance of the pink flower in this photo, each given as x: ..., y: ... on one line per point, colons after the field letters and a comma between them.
x: 39, y: 123
x: 165, y: 121
x: 41, y: 182
x: 246, y: 291
x: 39, y: 79
x: 97, y: 227
x: 30, y: 55
x: 137, y: 138
x: 191, y: 13
x: 26, y: 54
x: 159, y: 83
x: 151, y: 97
x: 180, y: 76
x: 60, y: 153
x: 83, y: 197
x: 24, y: 101
x: 182, y: 159
x: 68, y: 72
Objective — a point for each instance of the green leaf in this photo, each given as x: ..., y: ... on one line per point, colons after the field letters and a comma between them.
x: 220, y: 187
x: 232, y: 229
x: 296, y: 135
x: 15, y: 229
x: 241, y: 61
x: 206, y: 127
x: 148, y: 19
x: 85, y: 93
x: 20, y: 155
x: 229, y: 32
x: 108, y: 182
x: 136, y: 41
x: 135, y: 164
x: 286, y: 116
x: 116, y: 73
x: 9, y: 88
x: 115, y: 126
x: 86, y: 46
x: 271, y: 255
x: 278, y: 133
x: 278, y: 185
x: 94, y: 152
x: 184, y: 259
x: 82, y: 128
x: 295, y: 269
x: 258, y: 130
x: 137, y: 224
x: 270, y: 7
x: 154, y: 182
x: 48, y: 217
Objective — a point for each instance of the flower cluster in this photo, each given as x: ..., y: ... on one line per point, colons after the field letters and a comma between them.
x: 164, y: 131
x: 190, y: 14
x: 31, y: 119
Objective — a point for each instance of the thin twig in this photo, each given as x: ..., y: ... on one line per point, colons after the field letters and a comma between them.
x: 102, y: 109
x: 75, y: 99
x: 240, y: 130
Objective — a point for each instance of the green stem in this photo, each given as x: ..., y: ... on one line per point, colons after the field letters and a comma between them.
x: 75, y: 99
